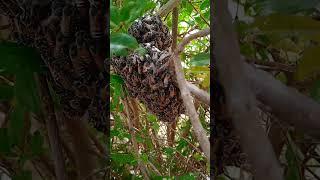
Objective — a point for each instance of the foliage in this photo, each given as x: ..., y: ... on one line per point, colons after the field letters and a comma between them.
x: 18, y: 87
x: 162, y: 161
x: 285, y: 32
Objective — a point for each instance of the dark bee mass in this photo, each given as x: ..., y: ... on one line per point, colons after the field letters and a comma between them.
x: 151, y: 77
x: 150, y: 29
x: 70, y: 36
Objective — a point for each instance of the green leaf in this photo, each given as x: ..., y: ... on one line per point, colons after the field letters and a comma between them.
x: 182, y: 143
x: 289, y: 6
x: 168, y: 150
x: 15, y: 58
x: 199, y: 69
x: 144, y: 158
x: 315, y: 91
x: 309, y: 64
x: 24, y: 175
x: 205, y: 4
x: 287, y: 23
x: 5, y: 143
x: 247, y: 49
x: 6, y: 92
x: 36, y: 143
x: 202, y: 59
x: 197, y: 156
x: 120, y: 43
x: 26, y: 91
x: 16, y: 124
x: 189, y: 176
x: 123, y: 158
x: 293, y: 168
x: 287, y: 45
x: 151, y: 117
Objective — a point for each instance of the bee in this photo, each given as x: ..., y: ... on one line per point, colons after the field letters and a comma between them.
x: 172, y: 91
x: 166, y: 80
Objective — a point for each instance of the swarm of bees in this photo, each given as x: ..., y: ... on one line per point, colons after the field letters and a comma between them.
x: 151, y: 77
x: 70, y: 36
x: 150, y: 29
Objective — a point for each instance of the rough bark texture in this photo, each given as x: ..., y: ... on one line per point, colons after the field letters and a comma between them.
x: 239, y: 98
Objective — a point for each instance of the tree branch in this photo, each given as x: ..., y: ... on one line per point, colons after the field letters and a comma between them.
x: 53, y: 130
x: 191, y: 111
x: 86, y: 162
x: 287, y: 103
x: 199, y: 93
x: 191, y: 37
x: 133, y: 139
x: 165, y: 9
x: 201, y: 15
x: 239, y: 98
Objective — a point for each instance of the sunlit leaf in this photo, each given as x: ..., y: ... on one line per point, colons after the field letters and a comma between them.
x: 287, y: 23
x: 201, y: 59
x: 120, y: 43
x: 123, y: 158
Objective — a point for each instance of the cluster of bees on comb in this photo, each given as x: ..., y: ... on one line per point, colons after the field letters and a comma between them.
x: 151, y: 77
x: 70, y: 36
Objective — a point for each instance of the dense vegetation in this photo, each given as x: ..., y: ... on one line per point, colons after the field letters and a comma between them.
x: 162, y: 149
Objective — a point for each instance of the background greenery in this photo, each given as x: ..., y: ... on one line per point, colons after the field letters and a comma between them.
x: 182, y: 159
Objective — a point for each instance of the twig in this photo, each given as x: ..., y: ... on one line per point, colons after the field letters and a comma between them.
x: 199, y: 13
x: 175, y: 17
x: 271, y: 65
x: 53, y: 130
x: 165, y: 9
x: 191, y: 37
x: 133, y: 140
x: 240, y: 100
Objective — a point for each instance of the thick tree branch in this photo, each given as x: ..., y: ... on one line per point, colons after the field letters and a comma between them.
x: 287, y: 103
x: 82, y: 146
x: 191, y: 111
x: 200, y: 94
x: 191, y: 37
x: 240, y: 100
x: 165, y: 9
x: 53, y: 130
